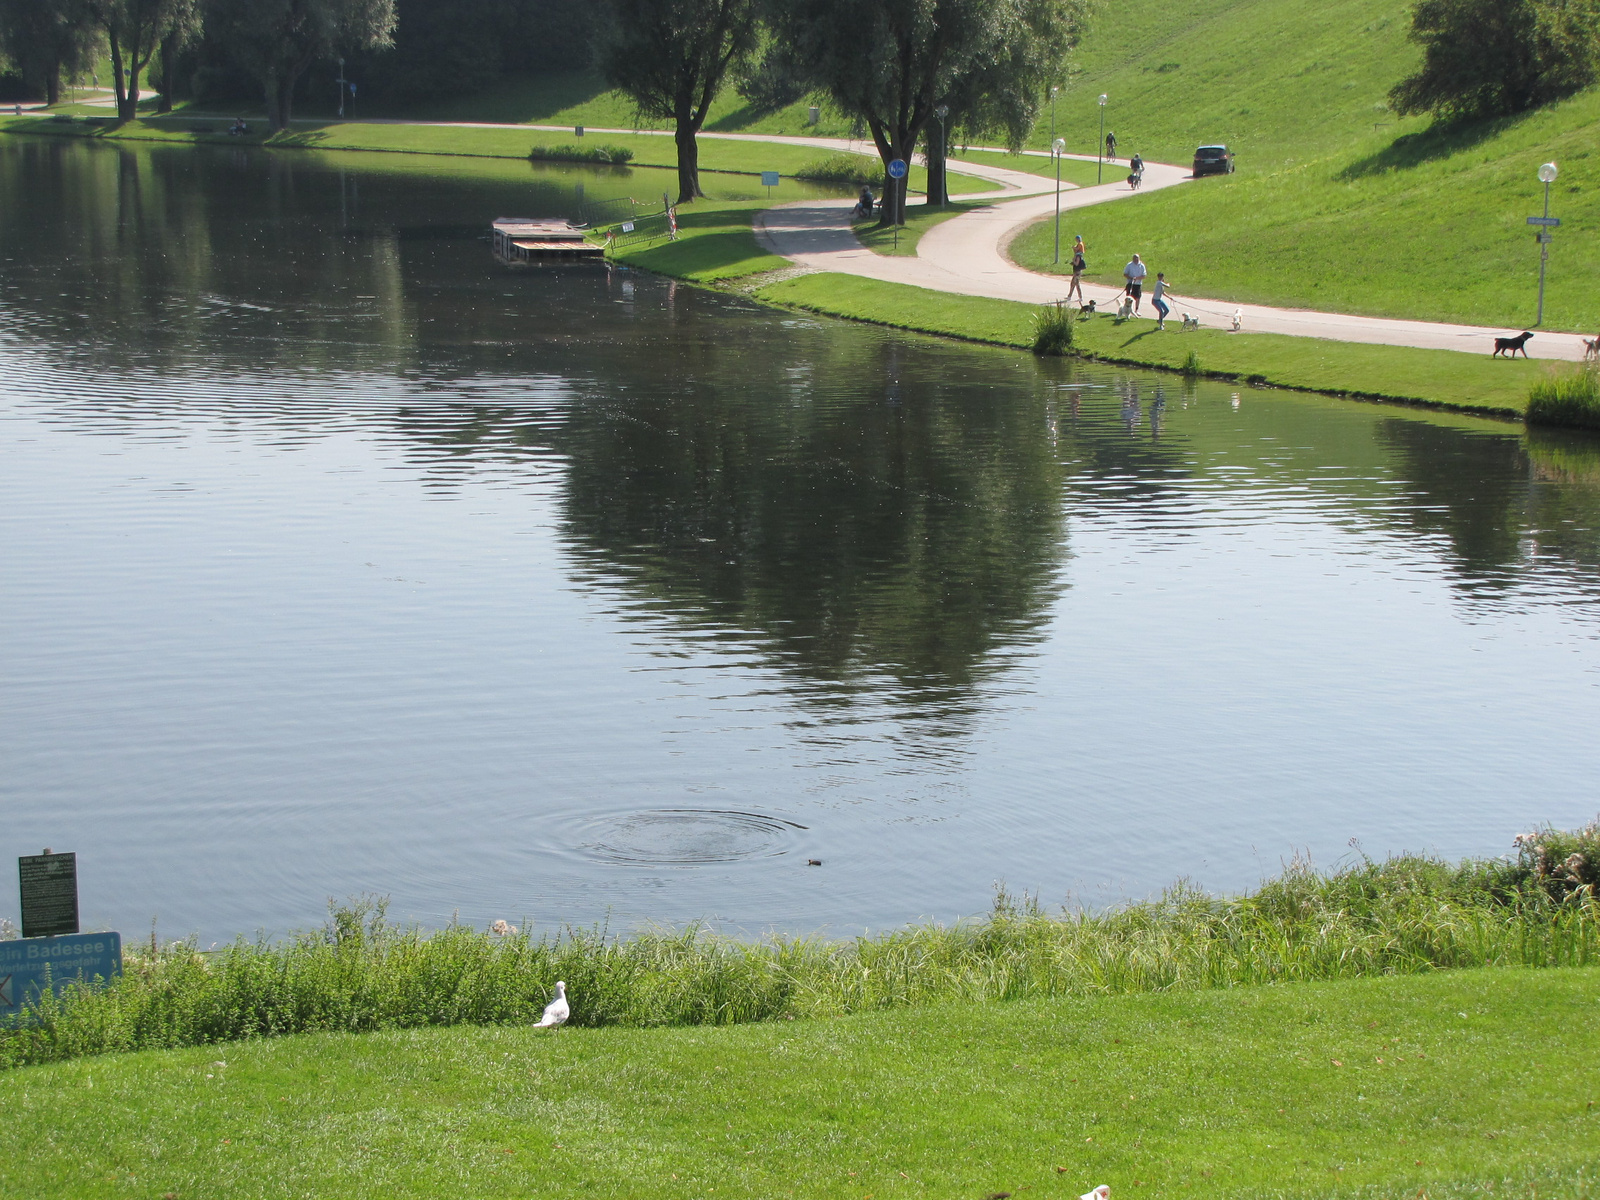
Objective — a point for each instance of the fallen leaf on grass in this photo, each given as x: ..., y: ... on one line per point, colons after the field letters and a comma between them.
x: 1337, y: 1063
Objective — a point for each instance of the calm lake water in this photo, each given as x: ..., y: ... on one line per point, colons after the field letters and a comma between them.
x: 339, y: 558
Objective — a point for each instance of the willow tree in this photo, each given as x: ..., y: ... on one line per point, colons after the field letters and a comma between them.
x: 46, y: 38
x: 277, y: 40
x: 670, y: 57
x: 894, y: 63
x: 135, y: 29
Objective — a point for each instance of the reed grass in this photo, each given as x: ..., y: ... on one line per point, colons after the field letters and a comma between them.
x: 843, y: 167
x: 1053, y: 328
x: 567, y: 152
x: 1570, y: 400
x: 360, y: 973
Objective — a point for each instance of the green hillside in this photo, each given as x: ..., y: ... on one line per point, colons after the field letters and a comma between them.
x: 1337, y: 203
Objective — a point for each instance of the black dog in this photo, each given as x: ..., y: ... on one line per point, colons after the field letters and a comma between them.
x: 1510, y: 346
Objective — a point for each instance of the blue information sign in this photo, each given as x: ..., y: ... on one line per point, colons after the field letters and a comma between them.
x: 769, y: 179
x: 25, y: 963
x: 897, y: 169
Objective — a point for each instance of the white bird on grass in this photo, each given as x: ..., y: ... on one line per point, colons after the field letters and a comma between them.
x: 1103, y: 1192
x: 557, y: 1011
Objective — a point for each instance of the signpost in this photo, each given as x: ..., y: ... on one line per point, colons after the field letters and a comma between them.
x: 897, y: 172
x: 49, y: 894
x: 27, y: 965
x: 769, y: 180
x: 1547, y: 176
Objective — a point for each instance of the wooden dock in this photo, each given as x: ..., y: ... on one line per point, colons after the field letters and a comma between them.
x: 522, y: 239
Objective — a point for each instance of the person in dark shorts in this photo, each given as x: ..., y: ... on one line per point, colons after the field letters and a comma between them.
x: 1111, y: 145
x: 1134, y: 273
x: 1079, y: 263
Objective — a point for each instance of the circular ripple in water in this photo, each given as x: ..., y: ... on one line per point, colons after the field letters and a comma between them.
x: 674, y: 837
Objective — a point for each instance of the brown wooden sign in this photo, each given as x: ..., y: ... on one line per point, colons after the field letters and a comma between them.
x: 49, y: 894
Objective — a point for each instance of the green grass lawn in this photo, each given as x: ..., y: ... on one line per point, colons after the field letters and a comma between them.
x: 1338, y: 204
x: 1436, y: 377
x: 1073, y: 170
x: 1456, y: 1084
x: 650, y: 150
x: 919, y: 219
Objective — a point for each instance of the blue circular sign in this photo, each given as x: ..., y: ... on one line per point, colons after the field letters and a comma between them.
x: 897, y: 169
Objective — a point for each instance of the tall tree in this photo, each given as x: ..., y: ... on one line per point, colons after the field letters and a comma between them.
x: 1487, y: 57
x: 135, y: 29
x: 46, y: 38
x: 277, y: 40
x: 892, y: 63
x: 671, y: 57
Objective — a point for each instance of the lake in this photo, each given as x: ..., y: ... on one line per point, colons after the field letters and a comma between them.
x: 340, y: 558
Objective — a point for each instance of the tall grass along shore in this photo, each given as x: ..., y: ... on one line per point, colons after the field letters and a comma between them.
x: 1570, y: 400
x: 359, y: 973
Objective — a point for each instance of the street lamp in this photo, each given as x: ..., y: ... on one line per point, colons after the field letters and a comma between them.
x: 1054, y: 88
x: 1101, y: 152
x: 1056, y: 147
x: 942, y: 112
x: 341, y: 87
x: 1547, y: 176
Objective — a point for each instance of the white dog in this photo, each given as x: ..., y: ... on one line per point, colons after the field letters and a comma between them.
x: 1125, y: 309
x: 1190, y: 322
x: 1591, y: 349
x: 1238, y: 319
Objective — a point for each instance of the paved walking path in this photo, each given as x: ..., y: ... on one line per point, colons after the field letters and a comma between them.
x: 966, y: 255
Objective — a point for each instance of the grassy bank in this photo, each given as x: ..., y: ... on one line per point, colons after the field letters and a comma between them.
x: 359, y: 974
x: 1338, y: 204
x: 1446, y: 1086
x: 649, y: 150
x: 1440, y: 378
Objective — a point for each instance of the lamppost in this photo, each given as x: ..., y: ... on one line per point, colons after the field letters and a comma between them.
x: 942, y: 112
x: 1054, y: 88
x: 1547, y: 176
x: 341, y: 87
x: 1056, y: 147
x: 1101, y: 152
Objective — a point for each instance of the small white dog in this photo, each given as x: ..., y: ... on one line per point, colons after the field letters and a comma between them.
x: 1190, y: 322
x: 1125, y: 309
x: 1591, y: 349
x: 1238, y: 319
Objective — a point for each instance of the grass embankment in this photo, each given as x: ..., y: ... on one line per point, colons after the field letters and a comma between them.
x: 1338, y: 204
x: 361, y: 975
x: 1440, y: 378
x: 649, y: 150
x: 1444, y: 1086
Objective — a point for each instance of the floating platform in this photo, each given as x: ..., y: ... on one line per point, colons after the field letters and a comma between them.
x: 522, y: 239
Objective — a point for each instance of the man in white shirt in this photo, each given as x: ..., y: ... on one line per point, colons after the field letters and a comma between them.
x: 1134, y: 273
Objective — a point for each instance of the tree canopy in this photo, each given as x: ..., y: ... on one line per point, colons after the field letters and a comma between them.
x: 277, y: 40
x: 892, y: 63
x: 670, y: 57
x: 1491, y: 57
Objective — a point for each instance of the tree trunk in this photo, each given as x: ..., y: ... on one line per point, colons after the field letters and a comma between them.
x: 277, y: 104
x: 688, y: 159
x: 169, y: 51
x: 52, y: 84
x: 117, y: 79
x: 938, y: 193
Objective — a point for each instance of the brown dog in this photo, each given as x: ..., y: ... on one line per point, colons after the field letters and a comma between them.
x: 1510, y: 346
x: 1591, y: 349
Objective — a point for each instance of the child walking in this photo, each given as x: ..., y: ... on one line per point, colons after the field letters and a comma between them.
x: 1078, y: 265
x: 1158, y: 297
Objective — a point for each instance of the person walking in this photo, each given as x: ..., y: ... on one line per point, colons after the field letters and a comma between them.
x: 1158, y: 297
x: 1079, y: 263
x: 1111, y: 146
x: 1134, y: 273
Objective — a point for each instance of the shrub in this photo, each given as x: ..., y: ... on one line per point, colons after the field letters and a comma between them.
x: 1053, y: 329
x: 1191, y: 365
x: 1572, y: 400
x: 843, y: 167
x: 1564, y: 864
x: 567, y: 152
x: 1491, y: 57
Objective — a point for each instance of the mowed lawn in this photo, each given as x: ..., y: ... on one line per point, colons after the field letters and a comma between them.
x: 1338, y: 203
x: 1448, y: 1085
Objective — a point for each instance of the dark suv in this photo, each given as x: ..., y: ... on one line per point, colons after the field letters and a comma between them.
x: 1213, y: 160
